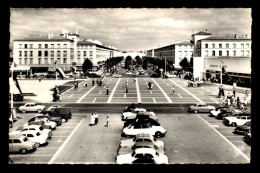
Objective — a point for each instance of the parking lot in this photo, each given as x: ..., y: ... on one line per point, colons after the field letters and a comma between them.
x: 190, y: 138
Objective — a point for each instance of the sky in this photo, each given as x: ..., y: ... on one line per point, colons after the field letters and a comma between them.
x: 130, y: 29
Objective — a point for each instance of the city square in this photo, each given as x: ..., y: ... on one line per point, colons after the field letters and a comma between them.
x: 180, y: 84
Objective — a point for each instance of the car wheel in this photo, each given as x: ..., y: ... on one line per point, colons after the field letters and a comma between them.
x: 23, y: 111
x: 196, y: 111
x: 39, y: 110
x: 63, y: 120
x: 23, y: 151
x: 37, y: 144
x: 158, y: 134
x: 233, y: 124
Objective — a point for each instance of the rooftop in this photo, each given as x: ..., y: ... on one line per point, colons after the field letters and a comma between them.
x: 44, y: 38
x: 226, y: 38
x: 202, y: 33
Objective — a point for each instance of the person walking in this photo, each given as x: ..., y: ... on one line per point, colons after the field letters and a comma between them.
x: 238, y: 103
x: 107, y: 121
x: 172, y: 90
x: 92, y: 120
x: 85, y: 83
x: 234, y: 91
x: 107, y: 91
x: 246, y: 94
x: 96, y: 118
x: 93, y: 82
x: 75, y: 85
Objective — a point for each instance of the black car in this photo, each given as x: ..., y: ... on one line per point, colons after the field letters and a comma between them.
x: 47, y: 113
x: 41, y: 123
x: 224, y: 112
x: 142, y: 115
x: 130, y: 108
x: 64, y: 113
x: 142, y: 121
x: 155, y: 75
x: 243, y: 128
x: 232, y: 114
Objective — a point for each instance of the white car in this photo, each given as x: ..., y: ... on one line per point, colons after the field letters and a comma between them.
x: 116, y: 76
x: 139, y: 138
x: 134, y: 112
x: 137, y: 128
x: 37, y: 128
x: 45, y: 119
x: 53, y: 107
x: 140, y: 153
x: 170, y: 75
x: 31, y: 107
x: 129, y: 73
x: 38, y: 137
x: 237, y: 120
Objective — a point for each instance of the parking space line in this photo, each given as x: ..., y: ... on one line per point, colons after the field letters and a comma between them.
x: 79, y: 90
x: 165, y: 95
x: 235, y: 147
x: 187, y: 91
x: 138, y: 91
x: 214, y: 100
x: 79, y: 100
x: 100, y: 92
x: 113, y: 91
x: 30, y: 155
x: 124, y: 95
x: 94, y: 100
x: 179, y: 95
x: 63, y: 145
x: 70, y: 96
x: 151, y: 91
x: 154, y: 100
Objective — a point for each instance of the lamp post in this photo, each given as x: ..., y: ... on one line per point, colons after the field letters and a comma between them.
x: 56, y: 70
x: 165, y: 66
x: 221, y: 64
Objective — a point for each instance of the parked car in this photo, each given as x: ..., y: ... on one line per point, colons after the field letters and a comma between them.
x: 133, y: 113
x: 116, y: 76
x: 146, y: 120
x: 141, y: 137
x: 136, y: 128
x: 128, y: 150
x: 20, y: 143
x: 248, y: 136
x: 38, y: 137
x: 216, y: 111
x: 43, y: 119
x: 37, y: 128
x: 51, y: 118
x: 142, y: 115
x: 31, y: 107
x: 167, y: 75
x: 200, y: 107
x: 63, y: 112
x: 155, y: 75
x: 243, y: 128
x: 142, y: 152
x: 235, y: 112
x: 236, y: 121
x: 41, y: 123
x: 130, y: 108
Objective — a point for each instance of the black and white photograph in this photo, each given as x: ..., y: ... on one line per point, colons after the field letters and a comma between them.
x: 127, y: 86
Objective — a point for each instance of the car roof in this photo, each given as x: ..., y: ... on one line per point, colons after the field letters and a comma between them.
x: 145, y: 151
x: 29, y: 131
x: 30, y: 103
x: 15, y: 134
x: 32, y: 126
x: 143, y: 135
x: 145, y: 143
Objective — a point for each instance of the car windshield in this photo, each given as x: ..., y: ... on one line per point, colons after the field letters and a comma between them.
x: 38, y: 133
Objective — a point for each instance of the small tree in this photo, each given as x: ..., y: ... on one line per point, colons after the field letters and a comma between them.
x: 128, y: 62
x: 139, y: 61
x: 184, y: 63
x: 87, y: 65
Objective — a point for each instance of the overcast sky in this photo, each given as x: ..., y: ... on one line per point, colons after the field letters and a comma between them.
x: 130, y: 29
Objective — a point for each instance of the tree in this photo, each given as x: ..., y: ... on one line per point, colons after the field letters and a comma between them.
x: 139, y: 61
x: 145, y: 64
x: 128, y: 62
x: 87, y: 65
x: 184, y: 63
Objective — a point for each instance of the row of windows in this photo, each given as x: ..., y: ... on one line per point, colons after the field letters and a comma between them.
x: 46, y: 53
x: 46, y: 61
x: 228, y: 53
x: 41, y: 46
x: 220, y: 45
x: 85, y: 53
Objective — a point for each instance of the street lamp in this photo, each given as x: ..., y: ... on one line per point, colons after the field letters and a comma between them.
x: 221, y: 64
x: 56, y: 70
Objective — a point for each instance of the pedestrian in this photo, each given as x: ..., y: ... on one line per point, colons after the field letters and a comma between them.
x: 93, y: 82
x: 246, y: 94
x: 222, y: 92
x: 107, y: 121
x: 96, y: 118
x: 245, y: 103
x: 92, y: 120
x: 85, y: 83
x: 126, y: 89
x: 40, y: 79
x: 149, y: 85
x: 75, y: 85
x: 234, y: 91
x: 107, y: 90
x: 134, y: 80
x: 228, y: 101
x: 238, y: 103
x: 172, y: 90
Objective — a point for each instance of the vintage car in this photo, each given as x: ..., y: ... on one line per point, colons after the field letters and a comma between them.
x: 142, y: 144
x: 137, y: 128
x: 37, y: 128
x: 116, y: 76
x: 142, y: 137
x: 38, y: 137
x: 236, y: 121
x: 248, y: 136
x: 216, y: 111
x: 134, y: 113
x: 45, y: 114
x: 63, y: 112
x: 20, y: 143
x: 139, y: 153
x: 243, y: 128
x: 200, y: 107
x: 31, y: 107
x: 46, y: 121
x: 234, y: 112
x: 142, y: 115
x: 145, y: 120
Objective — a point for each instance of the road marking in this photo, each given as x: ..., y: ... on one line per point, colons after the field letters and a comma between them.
x: 113, y: 91
x: 151, y: 91
x: 201, y: 92
x: 138, y: 92
x: 47, y: 148
x: 187, y: 91
x: 154, y: 100
x: 202, y: 87
x: 236, y: 149
x: 70, y: 96
x: 179, y: 95
x: 79, y: 90
x: 100, y: 92
x: 30, y: 155
x: 167, y: 84
x: 214, y: 125
x: 207, y: 89
x: 94, y: 100
x: 63, y: 145
x: 124, y: 95
x: 107, y: 82
x: 79, y: 100
x: 214, y: 100
x: 165, y: 95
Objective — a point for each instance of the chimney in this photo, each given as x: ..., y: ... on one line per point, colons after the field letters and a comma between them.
x: 236, y: 36
x: 206, y: 31
x: 49, y: 35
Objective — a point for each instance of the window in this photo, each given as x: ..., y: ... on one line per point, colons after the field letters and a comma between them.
x: 52, y: 45
x: 52, y: 53
x: 45, y: 61
x: 78, y: 61
x: 234, y: 53
x: 90, y: 53
x: 206, y: 53
x: 65, y: 53
x: 247, y: 53
x: 40, y: 46
x: 17, y: 141
x: 185, y: 53
x: 227, y: 45
x: 52, y: 60
x: 64, y: 60
x: 58, y: 53
x: 213, y: 53
x: 242, y: 53
x: 227, y: 53
x: 25, y: 46
x: 25, y: 53
x: 20, y: 46
x: 58, y: 60
x: 213, y: 45
x: 78, y: 53
x: 31, y: 53
x: 58, y: 45
x: 206, y: 46
x: 137, y: 126
x: 45, y: 53
x: 31, y: 45
x: 31, y: 61
x: 46, y: 45
x: 234, y: 45
x: 220, y: 46
x: 39, y: 53
x: 20, y: 53
x: 242, y: 45
x: 20, y: 60
x: 85, y: 53
x: 25, y: 60
x: 247, y: 45
x: 39, y: 61
x: 64, y: 45
x: 30, y: 135
x: 220, y: 53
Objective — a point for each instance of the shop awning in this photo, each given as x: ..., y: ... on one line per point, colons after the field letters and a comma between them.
x: 21, y: 68
x: 51, y: 69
